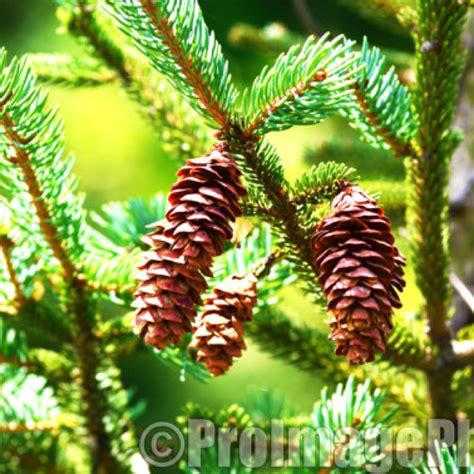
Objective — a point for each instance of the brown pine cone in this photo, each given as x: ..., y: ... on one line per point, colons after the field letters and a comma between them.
x: 204, y: 203
x: 218, y: 334
x: 361, y: 271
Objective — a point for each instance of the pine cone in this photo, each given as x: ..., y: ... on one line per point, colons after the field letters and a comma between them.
x: 204, y: 203
x: 361, y: 271
x: 218, y: 334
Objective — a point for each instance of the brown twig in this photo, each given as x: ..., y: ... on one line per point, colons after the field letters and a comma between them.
x: 50, y: 232
x: 164, y: 29
x: 5, y: 246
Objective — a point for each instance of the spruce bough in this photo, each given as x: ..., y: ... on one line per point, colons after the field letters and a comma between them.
x: 177, y: 73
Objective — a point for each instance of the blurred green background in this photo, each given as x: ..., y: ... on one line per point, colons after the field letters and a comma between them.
x: 118, y: 156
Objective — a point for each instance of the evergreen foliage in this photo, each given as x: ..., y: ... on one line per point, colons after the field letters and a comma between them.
x: 175, y: 38
x: 68, y: 70
x: 445, y: 460
x: 349, y: 406
x: 67, y: 276
x: 304, y: 86
x: 385, y: 116
x: 377, y: 171
x: 34, y: 167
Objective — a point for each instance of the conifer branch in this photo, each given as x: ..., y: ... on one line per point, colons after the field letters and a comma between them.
x: 302, y: 346
x: 263, y: 168
x: 158, y: 101
x: 382, y: 110
x: 173, y: 35
x: 31, y: 153
x: 254, y: 207
x: 439, y: 67
x: 354, y: 408
x: 320, y: 183
x: 304, y: 86
x: 84, y: 23
x: 440, y: 61
x: 261, y: 163
x: 112, y: 274
x: 399, y: 147
x: 186, y: 63
x: 67, y: 70
x: 309, y: 348
x: 23, y: 161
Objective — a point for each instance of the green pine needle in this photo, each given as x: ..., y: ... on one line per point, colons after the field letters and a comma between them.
x: 381, y: 108
x: 304, y: 86
x: 445, y: 460
x: 178, y: 43
x: 321, y: 182
x: 68, y: 70
x: 34, y: 131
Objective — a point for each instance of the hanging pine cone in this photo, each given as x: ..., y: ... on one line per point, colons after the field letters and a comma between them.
x: 218, y: 334
x: 361, y: 271
x: 204, y: 203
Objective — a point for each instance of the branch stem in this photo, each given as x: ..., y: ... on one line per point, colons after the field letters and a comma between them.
x: 86, y: 344
x: 45, y: 220
x: 284, y: 212
x: 439, y: 56
x: 399, y: 147
x: 5, y: 246
x: 164, y: 29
